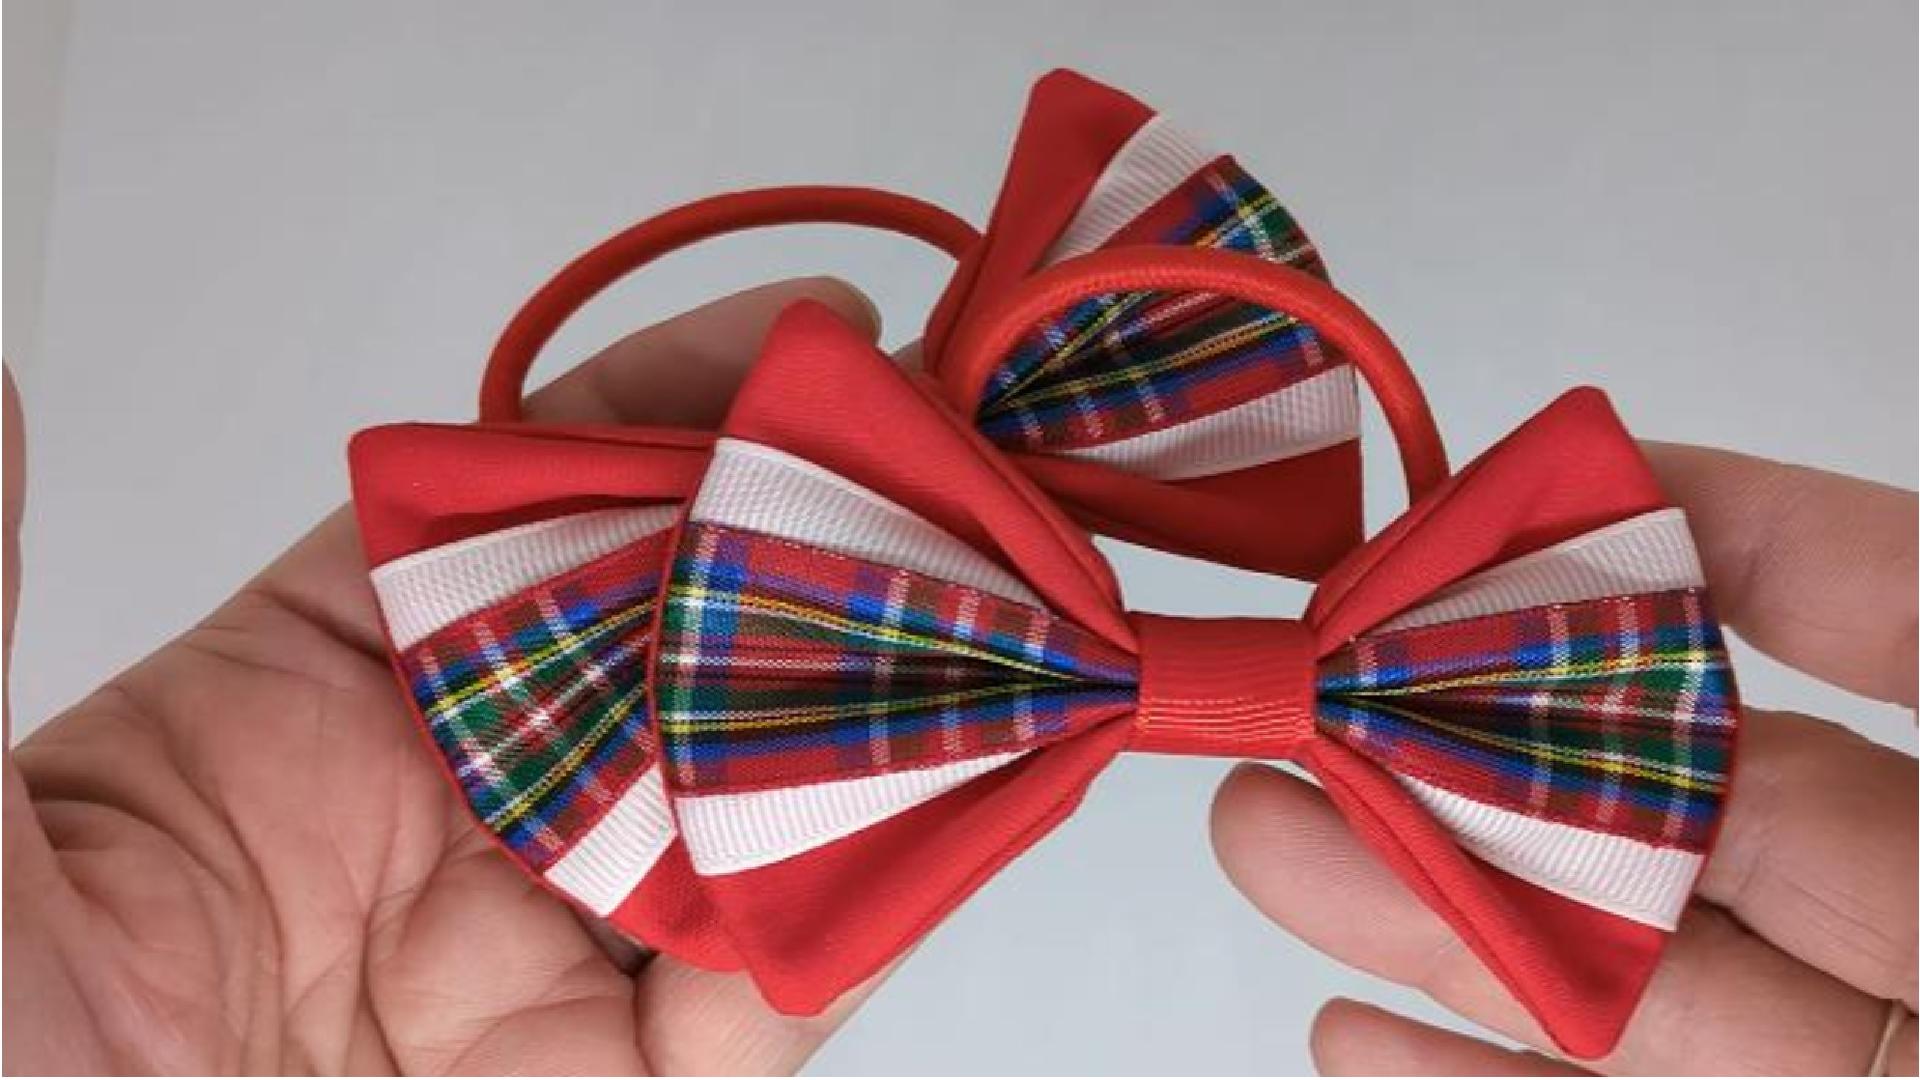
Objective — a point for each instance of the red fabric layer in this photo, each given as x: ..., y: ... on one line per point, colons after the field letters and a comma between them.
x: 417, y: 486
x: 671, y: 912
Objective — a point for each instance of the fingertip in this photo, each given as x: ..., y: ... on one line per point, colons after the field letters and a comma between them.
x: 847, y: 301
x: 1328, y: 1035
x: 1252, y: 802
x: 1354, y: 1038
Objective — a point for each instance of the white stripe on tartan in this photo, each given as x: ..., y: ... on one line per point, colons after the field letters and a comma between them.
x: 755, y: 487
x: 1650, y: 553
x: 730, y: 833
x: 608, y: 863
x: 1149, y: 167
x: 1615, y: 874
x: 422, y: 592
x: 1309, y: 415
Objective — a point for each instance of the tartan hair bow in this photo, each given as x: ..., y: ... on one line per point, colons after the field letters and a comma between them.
x: 884, y: 665
x: 1176, y: 418
x: 781, y: 696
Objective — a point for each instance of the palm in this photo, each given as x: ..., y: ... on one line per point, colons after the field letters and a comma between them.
x: 251, y: 860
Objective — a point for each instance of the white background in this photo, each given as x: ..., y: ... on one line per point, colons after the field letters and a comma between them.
x: 237, y: 232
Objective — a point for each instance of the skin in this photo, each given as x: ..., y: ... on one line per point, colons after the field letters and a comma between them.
x: 237, y: 856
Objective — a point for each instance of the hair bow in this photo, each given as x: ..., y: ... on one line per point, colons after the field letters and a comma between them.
x: 1180, y: 419
x: 781, y: 700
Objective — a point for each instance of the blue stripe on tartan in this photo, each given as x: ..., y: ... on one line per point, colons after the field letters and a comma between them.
x: 1522, y: 657
x: 1048, y: 711
x: 1386, y: 731
x: 525, y: 830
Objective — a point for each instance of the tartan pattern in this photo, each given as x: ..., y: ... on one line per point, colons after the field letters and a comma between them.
x: 1614, y: 715
x: 1122, y: 364
x: 781, y: 663
x: 538, y: 703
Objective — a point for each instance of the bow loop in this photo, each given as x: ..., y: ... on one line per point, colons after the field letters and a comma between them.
x: 1185, y: 409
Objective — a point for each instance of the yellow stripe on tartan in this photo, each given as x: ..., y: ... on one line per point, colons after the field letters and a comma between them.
x: 1062, y: 355
x: 1238, y: 335
x: 1245, y: 215
x: 1214, y: 237
x: 855, y: 628
x: 616, y: 714
x: 1537, y: 750
x: 1691, y: 659
x: 742, y: 720
x: 497, y: 676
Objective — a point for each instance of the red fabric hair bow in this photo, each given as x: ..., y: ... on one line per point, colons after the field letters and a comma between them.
x: 1182, y: 420
x: 779, y: 698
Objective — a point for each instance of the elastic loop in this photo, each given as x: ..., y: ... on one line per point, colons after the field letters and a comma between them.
x: 1246, y: 278
x: 585, y: 277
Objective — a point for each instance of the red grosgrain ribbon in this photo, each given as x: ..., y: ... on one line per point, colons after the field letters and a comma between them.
x: 1158, y: 412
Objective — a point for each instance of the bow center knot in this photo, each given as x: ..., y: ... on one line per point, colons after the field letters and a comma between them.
x: 1224, y: 687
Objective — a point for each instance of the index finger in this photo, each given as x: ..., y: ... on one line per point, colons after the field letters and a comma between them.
x: 1815, y: 569
x: 681, y: 372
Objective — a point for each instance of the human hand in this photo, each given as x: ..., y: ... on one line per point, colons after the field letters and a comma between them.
x: 1804, y: 925
x: 239, y: 855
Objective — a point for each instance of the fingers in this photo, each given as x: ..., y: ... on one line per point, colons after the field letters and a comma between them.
x: 1354, y: 1039
x: 1722, y: 1001
x: 1813, y: 568
x: 1818, y: 853
x: 684, y: 371
x: 712, y: 1023
x: 681, y: 372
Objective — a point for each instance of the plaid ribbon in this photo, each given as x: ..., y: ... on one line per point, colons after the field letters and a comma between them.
x: 781, y: 663
x: 784, y: 664
x: 1123, y: 364
x: 538, y: 703
x: 1614, y: 715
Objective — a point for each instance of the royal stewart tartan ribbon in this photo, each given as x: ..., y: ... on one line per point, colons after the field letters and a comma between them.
x: 539, y: 703
x: 1117, y: 365
x: 782, y: 664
